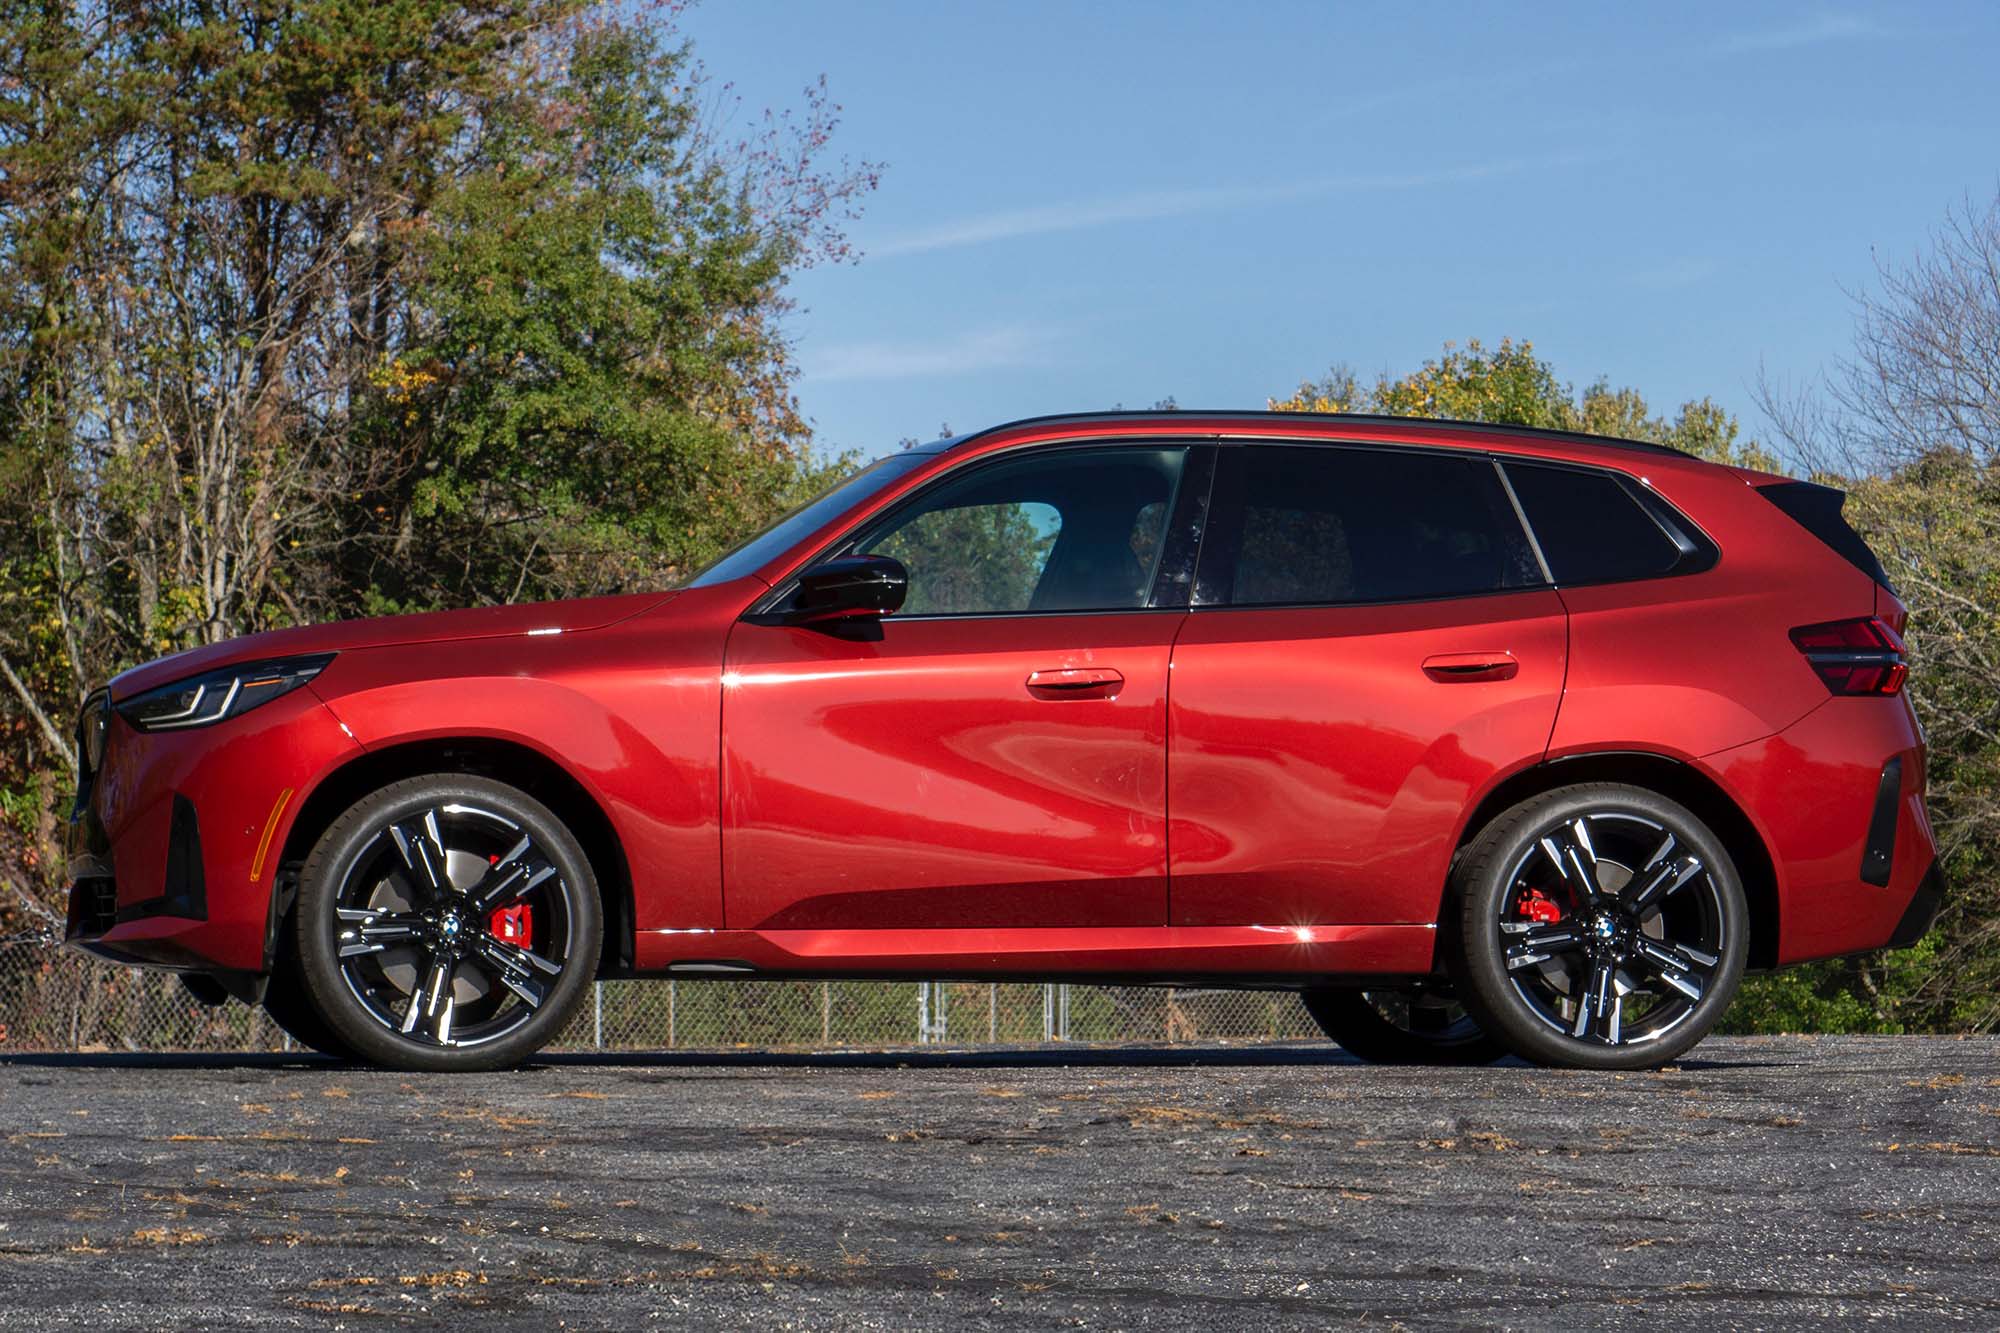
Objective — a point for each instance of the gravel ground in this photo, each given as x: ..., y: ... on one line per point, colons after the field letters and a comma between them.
x: 1768, y: 1182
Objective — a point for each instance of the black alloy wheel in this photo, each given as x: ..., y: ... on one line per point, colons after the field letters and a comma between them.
x: 1602, y: 927
x: 445, y: 923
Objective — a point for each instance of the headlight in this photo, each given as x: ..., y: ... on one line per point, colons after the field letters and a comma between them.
x: 90, y: 734
x: 201, y: 700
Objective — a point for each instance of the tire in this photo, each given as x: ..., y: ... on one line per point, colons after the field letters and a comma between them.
x: 1421, y: 1027
x: 447, y: 923
x: 1600, y: 926
x: 286, y: 1003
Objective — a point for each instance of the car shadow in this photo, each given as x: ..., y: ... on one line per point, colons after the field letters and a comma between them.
x: 1267, y: 1056
x: 1272, y: 1056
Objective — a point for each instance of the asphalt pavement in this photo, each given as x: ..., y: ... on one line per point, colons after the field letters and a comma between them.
x: 1763, y: 1182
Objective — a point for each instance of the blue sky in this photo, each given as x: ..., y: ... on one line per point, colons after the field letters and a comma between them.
x: 1092, y: 205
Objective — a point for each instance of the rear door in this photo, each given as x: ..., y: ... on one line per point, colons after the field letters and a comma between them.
x: 1373, y: 641
x: 997, y: 757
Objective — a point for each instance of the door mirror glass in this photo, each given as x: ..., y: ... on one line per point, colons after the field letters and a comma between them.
x: 850, y: 587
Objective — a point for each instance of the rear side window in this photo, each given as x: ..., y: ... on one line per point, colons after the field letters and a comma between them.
x: 1592, y: 528
x: 1817, y: 509
x: 1325, y: 525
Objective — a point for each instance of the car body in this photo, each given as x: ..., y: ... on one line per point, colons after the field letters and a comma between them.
x: 1256, y: 760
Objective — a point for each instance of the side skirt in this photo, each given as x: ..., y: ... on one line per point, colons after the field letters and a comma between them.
x: 1242, y: 955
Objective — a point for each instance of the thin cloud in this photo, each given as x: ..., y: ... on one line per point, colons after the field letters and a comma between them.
x: 1156, y: 205
x: 1811, y: 32
x: 965, y: 353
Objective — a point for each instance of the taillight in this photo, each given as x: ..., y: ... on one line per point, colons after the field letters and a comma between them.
x: 1862, y: 656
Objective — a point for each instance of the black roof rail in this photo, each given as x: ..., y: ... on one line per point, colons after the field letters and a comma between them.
x: 1362, y: 418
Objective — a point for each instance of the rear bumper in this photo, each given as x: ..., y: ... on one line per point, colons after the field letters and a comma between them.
x: 1922, y: 913
x: 1838, y: 798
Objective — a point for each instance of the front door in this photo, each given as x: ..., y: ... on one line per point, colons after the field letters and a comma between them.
x: 997, y: 758
x: 1373, y: 643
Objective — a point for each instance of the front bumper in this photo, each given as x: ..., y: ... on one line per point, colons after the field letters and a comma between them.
x: 176, y: 839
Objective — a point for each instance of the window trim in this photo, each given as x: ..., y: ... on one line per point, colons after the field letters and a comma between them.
x: 1196, y: 450
x: 1521, y: 517
x: 1226, y: 518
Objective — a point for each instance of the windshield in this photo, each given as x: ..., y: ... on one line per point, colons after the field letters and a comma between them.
x: 794, y: 527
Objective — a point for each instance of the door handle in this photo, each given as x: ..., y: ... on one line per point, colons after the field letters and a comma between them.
x: 1454, y: 668
x: 1075, y: 683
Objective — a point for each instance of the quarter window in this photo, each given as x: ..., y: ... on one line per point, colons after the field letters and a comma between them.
x: 1326, y: 525
x: 1590, y: 527
x: 1064, y: 530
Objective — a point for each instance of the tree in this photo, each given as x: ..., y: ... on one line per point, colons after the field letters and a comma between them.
x: 1511, y: 384
x: 595, y: 377
x: 1909, y: 423
x: 318, y: 308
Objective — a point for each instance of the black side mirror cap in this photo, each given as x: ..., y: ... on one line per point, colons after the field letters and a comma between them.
x: 848, y: 587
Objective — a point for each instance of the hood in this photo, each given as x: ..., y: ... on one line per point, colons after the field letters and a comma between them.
x: 482, y: 622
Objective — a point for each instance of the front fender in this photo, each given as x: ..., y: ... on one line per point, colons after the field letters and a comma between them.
x: 633, y: 717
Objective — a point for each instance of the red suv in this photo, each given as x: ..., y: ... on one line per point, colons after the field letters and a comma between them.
x: 1486, y: 739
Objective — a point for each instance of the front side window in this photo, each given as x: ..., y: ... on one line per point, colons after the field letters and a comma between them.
x: 752, y: 555
x: 1062, y: 530
x: 1327, y: 525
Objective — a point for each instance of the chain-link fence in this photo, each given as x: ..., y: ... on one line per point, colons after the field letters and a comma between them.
x: 53, y: 999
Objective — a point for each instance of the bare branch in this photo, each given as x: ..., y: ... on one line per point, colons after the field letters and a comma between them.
x: 57, y: 742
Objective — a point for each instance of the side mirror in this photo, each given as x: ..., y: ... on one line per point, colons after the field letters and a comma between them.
x: 851, y: 587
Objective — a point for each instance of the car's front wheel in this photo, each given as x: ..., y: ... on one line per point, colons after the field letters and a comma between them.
x: 447, y: 923
x: 1602, y: 927
x: 1423, y: 1025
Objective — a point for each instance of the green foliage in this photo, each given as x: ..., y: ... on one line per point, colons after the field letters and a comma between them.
x: 1509, y: 384
x: 1819, y: 997
x: 590, y: 290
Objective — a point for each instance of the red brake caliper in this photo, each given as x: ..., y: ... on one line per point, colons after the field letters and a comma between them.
x: 516, y: 924
x: 1538, y: 907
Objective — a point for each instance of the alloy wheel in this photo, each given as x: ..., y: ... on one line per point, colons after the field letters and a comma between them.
x: 1613, y: 929
x: 452, y: 926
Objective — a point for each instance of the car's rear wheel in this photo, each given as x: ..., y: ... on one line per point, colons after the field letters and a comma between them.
x: 1424, y: 1025
x: 447, y: 923
x: 1602, y: 927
